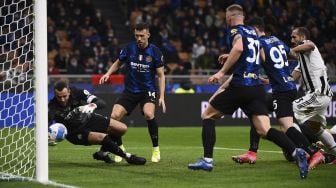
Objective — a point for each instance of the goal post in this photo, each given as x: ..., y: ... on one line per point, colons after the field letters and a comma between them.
x: 41, y: 92
x: 23, y: 90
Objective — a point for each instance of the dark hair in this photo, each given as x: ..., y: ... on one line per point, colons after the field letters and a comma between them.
x: 60, y: 85
x: 234, y: 7
x: 258, y: 23
x: 141, y: 26
x: 303, y: 31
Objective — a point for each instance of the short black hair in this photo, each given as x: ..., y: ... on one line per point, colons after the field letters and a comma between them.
x: 303, y: 31
x: 258, y: 23
x: 141, y: 26
x: 60, y: 85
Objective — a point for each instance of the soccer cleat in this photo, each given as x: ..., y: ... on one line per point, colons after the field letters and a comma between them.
x: 316, y: 159
x: 201, y: 164
x: 301, y: 161
x: 52, y: 143
x: 248, y: 157
x: 156, y: 154
x: 133, y: 159
x: 101, y: 157
x: 117, y: 158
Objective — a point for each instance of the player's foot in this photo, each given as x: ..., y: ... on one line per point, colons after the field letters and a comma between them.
x: 156, y: 154
x: 52, y: 143
x: 329, y: 158
x: 201, y: 164
x: 117, y: 158
x: 301, y: 161
x: 133, y: 159
x: 100, y: 156
x: 316, y: 159
x: 248, y: 157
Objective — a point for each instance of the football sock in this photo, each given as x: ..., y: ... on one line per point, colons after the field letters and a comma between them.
x: 153, y: 130
x: 328, y: 140
x: 254, y: 139
x: 116, y: 139
x: 280, y: 139
x: 208, y: 137
x: 209, y: 160
x: 310, y: 135
x: 109, y: 145
x: 300, y: 141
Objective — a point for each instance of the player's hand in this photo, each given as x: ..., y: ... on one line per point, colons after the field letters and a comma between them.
x: 215, y: 78
x: 104, y: 78
x: 222, y: 58
x: 264, y: 81
x: 163, y: 104
x: 89, y: 108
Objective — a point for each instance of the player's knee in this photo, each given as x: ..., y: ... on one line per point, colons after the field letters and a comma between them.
x: 206, y: 115
x: 116, y: 115
x: 149, y: 115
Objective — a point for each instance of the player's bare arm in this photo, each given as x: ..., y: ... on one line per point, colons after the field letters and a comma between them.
x: 305, y: 47
x: 233, y: 57
x: 114, y: 68
x: 296, y: 75
x: 162, y: 86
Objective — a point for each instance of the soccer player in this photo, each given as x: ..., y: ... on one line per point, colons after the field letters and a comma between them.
x: 275, y: 63
x: 75, y: 109
x: 245, y: 91
x: 143, y: 61
x: 311, y: 108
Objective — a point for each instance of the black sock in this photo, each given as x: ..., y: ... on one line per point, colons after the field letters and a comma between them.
x: 254, y: 139
x: 208, y: 137
x: 153, y: 130
x: 109, y: 145
x: 300, y: 141
x: 280, y: 139
x: 310, y: 135
x: 116, y: 139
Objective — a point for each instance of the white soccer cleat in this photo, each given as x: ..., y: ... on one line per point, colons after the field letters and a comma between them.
x: 117, y: 158
x: 156, y: 154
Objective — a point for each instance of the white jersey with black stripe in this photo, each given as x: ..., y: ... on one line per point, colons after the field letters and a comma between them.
x: 314, y: 72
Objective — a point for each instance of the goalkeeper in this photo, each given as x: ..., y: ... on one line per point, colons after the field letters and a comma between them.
x: 75, y: 109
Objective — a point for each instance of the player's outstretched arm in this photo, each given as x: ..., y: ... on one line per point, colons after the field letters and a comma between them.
x: 233, y: 57
x: 305, y: 47
x: 162, y: 87
x: 114, y: 68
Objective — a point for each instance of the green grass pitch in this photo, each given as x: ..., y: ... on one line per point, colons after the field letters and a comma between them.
x: 73, y: 165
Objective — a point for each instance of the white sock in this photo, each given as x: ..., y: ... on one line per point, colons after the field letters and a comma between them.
x: 297, y: 127
x: 208, y: 160
x: 328, y: 140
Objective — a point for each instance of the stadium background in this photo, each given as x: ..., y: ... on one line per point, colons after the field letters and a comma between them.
x: 85, y: 37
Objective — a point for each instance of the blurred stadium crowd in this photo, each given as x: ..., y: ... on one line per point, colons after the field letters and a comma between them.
x: 191, y: 33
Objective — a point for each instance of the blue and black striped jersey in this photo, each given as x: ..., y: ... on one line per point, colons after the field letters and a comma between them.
x: 276, y: 63
x: 141, y: 67
x: 246, y: 69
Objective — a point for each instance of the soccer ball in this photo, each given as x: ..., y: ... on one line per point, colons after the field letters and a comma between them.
x: 57, y: 132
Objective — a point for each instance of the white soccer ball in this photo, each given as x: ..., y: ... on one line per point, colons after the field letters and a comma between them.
x: 57, y: 132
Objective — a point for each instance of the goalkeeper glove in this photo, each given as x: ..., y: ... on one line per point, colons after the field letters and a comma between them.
x: 89, y: 108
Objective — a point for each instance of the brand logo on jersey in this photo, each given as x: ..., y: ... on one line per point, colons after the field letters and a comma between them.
x: 140, y: 57
x: 162, y: 58
x: 149, y: 59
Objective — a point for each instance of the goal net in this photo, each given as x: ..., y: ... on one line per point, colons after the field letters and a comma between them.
x: 17, y: 90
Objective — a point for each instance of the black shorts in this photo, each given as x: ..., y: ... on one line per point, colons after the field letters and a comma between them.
x: 130, y: 100
x: 251, y: 99
x: 97, y: 123
x: 283, y: 103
